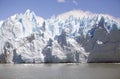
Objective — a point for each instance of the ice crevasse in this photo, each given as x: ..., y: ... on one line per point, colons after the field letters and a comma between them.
x: 72, y: 37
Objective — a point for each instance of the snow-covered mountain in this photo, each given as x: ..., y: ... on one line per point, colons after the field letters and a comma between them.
x: 74, y: 36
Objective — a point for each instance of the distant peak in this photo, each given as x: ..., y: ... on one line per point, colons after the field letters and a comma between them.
x: 75, y: 13
x: 81, y: 14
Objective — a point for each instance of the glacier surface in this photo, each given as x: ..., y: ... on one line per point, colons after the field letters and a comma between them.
x: 72, y: 37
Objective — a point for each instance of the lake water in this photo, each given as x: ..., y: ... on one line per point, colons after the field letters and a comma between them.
x: 59, y: 71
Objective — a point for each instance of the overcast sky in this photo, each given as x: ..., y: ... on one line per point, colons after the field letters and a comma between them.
x: 47, y: 8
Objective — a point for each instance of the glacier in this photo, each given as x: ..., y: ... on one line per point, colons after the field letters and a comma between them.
x: 72, y: 37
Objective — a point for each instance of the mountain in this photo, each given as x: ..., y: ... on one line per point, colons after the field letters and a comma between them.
x: 74, y: 36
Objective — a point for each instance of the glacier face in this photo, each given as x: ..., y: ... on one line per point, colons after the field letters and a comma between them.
x: 75, y: 36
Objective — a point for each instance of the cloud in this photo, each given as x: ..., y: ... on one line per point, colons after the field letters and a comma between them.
x: 61, y: 1
x: 75, y: 2
x: 64, y: 1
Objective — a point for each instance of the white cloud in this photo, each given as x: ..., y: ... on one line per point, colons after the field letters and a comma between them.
x: 61, y: 1
x: 75, y: 2
x: 64, y: 1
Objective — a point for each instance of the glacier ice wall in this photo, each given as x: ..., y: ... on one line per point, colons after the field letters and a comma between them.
x: 75, y: 36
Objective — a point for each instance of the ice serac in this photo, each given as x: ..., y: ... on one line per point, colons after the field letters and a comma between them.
x: 75, y: 36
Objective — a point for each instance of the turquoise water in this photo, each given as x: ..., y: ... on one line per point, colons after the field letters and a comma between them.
x: 59, y: 71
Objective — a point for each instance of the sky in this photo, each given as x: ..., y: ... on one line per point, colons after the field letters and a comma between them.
x: 48, y: 8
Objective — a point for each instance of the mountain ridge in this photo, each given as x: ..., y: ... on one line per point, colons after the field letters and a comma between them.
x: 75, y: 36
